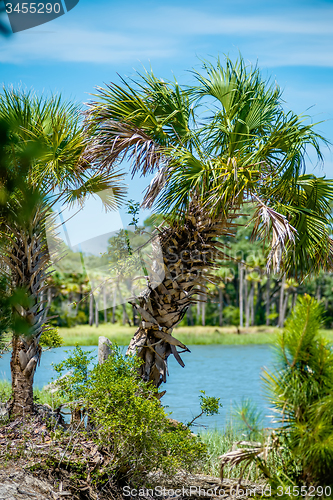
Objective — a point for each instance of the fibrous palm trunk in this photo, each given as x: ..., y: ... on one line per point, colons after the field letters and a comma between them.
x: 241, y: 294
x: 251, y: 300
x: 27, y: 261
x: 190, y: 251
x: 281, y: 302
x: 220, y: 306
x: 268, y: 299
x: 91, y: 309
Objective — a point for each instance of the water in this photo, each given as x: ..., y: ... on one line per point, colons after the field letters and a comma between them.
x: 226, y: 372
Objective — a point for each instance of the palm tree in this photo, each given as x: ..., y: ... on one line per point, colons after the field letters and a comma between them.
x: 45, y: 164
x: 214, y: 147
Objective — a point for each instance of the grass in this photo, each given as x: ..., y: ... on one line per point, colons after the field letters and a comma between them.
x: 195, y: 335
x: 220, y: 442
x: 41, y: 396
x: 86, y: 335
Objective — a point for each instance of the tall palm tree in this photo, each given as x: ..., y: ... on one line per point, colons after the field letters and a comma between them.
x: 214, y: 146
x: 45, y: 165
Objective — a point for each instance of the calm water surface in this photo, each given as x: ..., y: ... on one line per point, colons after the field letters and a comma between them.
x: 227, y: 372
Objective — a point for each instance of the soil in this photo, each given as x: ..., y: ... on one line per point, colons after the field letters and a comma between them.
x: 35, y: 464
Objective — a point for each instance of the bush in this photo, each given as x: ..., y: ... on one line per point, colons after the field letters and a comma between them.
x: 300, y: 391
x: 126, y: 418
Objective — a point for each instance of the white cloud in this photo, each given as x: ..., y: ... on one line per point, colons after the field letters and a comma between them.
x: 197, y: 22
x: 82, y: 45
x: 302, y: 38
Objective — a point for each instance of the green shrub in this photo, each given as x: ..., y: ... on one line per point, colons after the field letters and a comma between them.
x: 300, y: 391
x: 126, y: 418
x: 50, y: 337
x: 231, y: 315
x: 130, y: 421
x: 73, y: 386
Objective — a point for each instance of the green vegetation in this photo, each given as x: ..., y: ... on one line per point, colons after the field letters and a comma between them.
x: 126, y: 419
x: 41, y: 396
x: 42, y: 163
x: 299, y: 452
x: 300, y: 391
x: 270, y: 299
x: 189, y: 335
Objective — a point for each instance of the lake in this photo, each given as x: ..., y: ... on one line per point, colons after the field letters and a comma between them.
x: 227, y: 372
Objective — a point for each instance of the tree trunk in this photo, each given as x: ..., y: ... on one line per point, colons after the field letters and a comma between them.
x: 114, y: 306
x: 125, y: 316
x: 285, y: 306
x: 220, y: 306
x: 241, y: 294
x: 189, y: 314
x: 27, y: 259
x: 281, y: 302
x: 251, y: 300
x: 25, y: 357
x: 96, y: 313
x: 203, y: 309
x: 247, y: 303
x: 198, y: 310
x: 91, y: 309
x: 104, y: 303
x: 185, y: 270
x: 134, y: 316
x: 268, y: 299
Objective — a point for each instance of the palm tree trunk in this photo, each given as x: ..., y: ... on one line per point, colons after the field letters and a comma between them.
x: 268, y: 299
x: 126, y: 319
x: 91, y: 309
x: 247, y: 303
x: 203, y: 309
x: 134, y: 316
x: 220, y: 306
x: 25, y: 357
x: 241, y: 294
x: 104, y: 303
x: 28, y: 262
x: 285, y: 306
x: 198, y: 310
x: 114, y: 306
x: 252, y: 304
x: 163, y: 307
x: 189, y: 314
x: 281, y: 302
x: 96, y: 313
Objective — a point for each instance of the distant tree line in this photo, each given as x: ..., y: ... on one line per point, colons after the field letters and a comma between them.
x: 245, y: 295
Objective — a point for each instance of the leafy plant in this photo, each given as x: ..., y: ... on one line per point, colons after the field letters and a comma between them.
x: 50, y: 337
x: 126, y: 418
x: 209, y: 405
x: 73, y: 374
x: 248, y: 419
x: 300, y: 392
x: 134, y: 426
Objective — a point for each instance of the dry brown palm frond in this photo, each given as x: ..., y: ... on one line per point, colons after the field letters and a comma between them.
x: 155, y: 187
x: 274, y: 227
x: 243, y: 456
x: 116, y: 139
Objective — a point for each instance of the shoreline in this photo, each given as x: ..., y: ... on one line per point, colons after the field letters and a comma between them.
x: 86, y: 335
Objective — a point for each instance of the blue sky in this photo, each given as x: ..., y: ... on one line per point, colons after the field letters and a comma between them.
x: 292, y: 41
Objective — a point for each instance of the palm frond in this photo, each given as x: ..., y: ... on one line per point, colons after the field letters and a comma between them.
x: 269, y: 224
